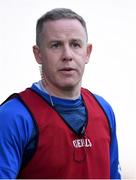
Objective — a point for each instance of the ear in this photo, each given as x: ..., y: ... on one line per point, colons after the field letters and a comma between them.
x: 88, y: 53
x: 37, y: 54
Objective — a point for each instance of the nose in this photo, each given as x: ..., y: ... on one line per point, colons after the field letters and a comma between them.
x: 67, y: 53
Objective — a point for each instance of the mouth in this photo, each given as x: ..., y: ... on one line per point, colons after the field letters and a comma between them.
x: 67, y: 69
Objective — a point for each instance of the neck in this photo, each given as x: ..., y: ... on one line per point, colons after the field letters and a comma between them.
x: 65, y: 93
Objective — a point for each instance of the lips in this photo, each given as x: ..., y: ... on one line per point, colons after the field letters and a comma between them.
x: 67, y: 69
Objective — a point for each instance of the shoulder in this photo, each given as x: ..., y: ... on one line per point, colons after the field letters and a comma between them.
x: 100, y: 100
x: 14, y: 118
x: 105, y: 106
x: 107, y: 109
x: 16, y: 127
x: 103, y: 102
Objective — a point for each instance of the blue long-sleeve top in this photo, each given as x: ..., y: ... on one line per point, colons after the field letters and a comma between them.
x: 17, y: 130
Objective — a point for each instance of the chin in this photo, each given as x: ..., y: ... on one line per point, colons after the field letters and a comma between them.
x: 69, y: 86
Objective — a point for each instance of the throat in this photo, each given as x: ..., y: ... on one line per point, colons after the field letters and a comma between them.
x: 65, y: 93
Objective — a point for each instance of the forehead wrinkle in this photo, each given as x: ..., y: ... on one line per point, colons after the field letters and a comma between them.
x: 64, y: 30
x: 60, y: 37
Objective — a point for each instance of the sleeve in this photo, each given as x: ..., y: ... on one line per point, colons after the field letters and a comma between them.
x: 115, y: 170
x: 114, y: 154
x: 15, y: 131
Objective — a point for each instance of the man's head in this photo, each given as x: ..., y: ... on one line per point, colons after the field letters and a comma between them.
x: 62, y: 50
x: 53, y: 15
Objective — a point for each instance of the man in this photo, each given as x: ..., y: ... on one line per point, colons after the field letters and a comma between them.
x: 56, y: 129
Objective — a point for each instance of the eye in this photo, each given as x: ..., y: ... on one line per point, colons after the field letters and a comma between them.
x: 55, y: 45
x: 75, y: 45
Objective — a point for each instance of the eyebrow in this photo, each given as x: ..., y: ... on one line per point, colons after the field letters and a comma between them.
x: 77, y: 40
x: 71, y: 40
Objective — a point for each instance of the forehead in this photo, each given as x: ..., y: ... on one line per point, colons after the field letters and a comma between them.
x: 64, y: 28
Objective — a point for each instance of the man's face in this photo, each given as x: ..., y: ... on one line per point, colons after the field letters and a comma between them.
x: 63, y: 53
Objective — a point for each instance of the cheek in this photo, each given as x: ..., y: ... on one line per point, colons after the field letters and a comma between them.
x: 82, y: 55
x: 49, y: 66
x: 81, y: 59
x: 82, y: 63
x: 85, y: 59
